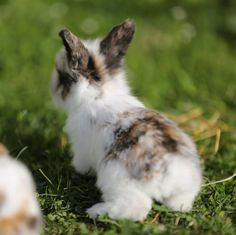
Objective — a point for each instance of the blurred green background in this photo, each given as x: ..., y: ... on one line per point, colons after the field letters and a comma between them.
x: 182, y: 60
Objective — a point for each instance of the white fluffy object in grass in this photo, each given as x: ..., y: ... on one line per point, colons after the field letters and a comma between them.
x: 20, y: 213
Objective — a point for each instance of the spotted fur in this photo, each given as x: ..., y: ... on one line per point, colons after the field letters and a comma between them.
x: 133, y: 142
x: 137, y: 154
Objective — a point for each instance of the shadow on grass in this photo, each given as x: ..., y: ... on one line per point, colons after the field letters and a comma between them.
x: 37, y: 140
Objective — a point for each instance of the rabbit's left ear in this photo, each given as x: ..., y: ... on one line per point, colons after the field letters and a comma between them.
x: 76, y: 51
x: 116, y: 43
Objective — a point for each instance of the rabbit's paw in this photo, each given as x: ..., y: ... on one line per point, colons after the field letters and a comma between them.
x: 98, y: 209
x: 182, y: 202
x: 119, y: 211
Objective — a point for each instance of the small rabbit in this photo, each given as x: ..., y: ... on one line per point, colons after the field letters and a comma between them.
x: 19, y: 210
x: 137, y: 153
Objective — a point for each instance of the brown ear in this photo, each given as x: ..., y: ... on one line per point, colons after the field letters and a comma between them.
x: 116, y: 43
x: 76, y: 51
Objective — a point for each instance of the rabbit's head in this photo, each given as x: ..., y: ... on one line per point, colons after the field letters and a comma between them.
x: 86, y: 70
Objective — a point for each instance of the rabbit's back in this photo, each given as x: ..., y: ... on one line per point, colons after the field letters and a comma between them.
x: 143, y: 139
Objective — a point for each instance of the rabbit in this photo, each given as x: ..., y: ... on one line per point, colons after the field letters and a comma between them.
x: 137, y: 154
x: 20, y: 213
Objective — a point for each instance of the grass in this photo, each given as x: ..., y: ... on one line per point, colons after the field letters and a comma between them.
x: 182, y: 62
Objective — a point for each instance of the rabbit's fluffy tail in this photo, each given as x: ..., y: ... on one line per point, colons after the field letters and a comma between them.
x: 3, y: 150
x: 182, y: 183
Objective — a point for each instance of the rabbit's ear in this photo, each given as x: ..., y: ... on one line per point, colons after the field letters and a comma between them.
x: 76, y: 50
x: 116, y: 43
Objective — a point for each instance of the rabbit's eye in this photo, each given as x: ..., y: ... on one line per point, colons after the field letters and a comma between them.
x: 96, y: 78
x: 92, y: 70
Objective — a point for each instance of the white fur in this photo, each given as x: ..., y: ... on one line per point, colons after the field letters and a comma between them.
x: 92, y: 111
x: 17, y: 193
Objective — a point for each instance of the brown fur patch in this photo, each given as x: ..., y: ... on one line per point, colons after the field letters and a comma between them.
x: 116, y: 43
x: 3, y: 150
x: 143, y: 144
x: 95, y: 70
x: 170, y: 136
x: 8, y: 225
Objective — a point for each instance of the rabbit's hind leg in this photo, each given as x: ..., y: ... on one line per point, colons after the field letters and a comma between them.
x: 123, y: 197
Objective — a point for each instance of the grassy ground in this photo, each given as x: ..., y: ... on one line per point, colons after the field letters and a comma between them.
x: 182, y: 62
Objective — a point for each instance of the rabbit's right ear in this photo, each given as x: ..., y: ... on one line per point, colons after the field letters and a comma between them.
x: 76, y: 51
x: 116, y: 43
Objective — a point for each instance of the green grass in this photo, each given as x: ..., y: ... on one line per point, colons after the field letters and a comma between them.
x: 174, y: 65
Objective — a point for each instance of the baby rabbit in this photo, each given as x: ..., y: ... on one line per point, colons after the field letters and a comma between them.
x: 19, y: 210
x: 137, y: 153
